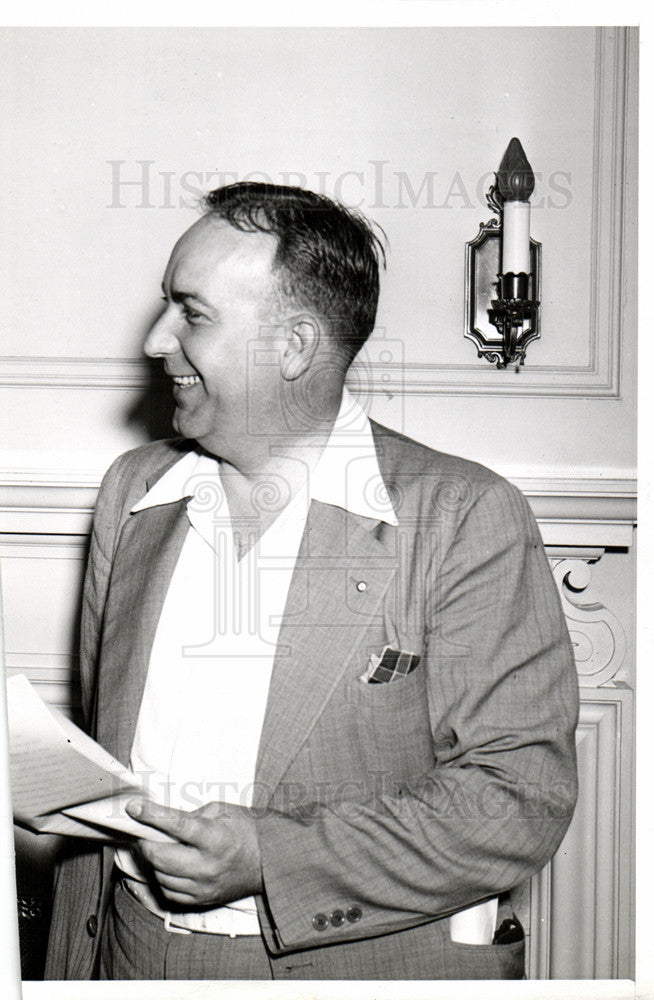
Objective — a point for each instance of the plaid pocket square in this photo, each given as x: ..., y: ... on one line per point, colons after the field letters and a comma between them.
x: 391, y: 665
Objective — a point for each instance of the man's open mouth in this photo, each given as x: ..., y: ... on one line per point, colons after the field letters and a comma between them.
x: 186, y: 380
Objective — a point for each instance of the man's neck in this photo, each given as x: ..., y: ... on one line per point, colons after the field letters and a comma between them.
x: 260, y: 486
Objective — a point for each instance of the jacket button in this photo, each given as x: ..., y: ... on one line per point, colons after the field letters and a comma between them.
x: 337, y: 918
x: 354, y: 914
x: 92, y: 925
x: 320, y: 921
x: 362, y: 586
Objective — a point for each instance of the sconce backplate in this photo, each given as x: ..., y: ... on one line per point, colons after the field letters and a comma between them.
x: 483, y: 261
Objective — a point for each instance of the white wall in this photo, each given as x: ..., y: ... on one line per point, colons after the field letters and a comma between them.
x: 409, y: 124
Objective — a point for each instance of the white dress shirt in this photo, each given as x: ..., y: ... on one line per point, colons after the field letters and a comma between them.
x: 205, y: 694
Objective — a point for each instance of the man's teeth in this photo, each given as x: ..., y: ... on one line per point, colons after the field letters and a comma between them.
x: 186, y: 380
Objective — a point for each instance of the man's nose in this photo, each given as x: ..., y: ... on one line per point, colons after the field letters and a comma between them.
x: 162, y: 339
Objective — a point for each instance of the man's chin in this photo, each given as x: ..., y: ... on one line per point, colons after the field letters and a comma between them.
x: 183, y: 425
x: 177, y: 422
x: 193, y: 430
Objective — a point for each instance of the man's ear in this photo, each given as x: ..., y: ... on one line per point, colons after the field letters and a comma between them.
x: 303, y: 334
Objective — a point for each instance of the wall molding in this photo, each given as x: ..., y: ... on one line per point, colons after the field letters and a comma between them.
x: 588, y: 884
x: 77, y: 373
x: 583, y: 512
x: 31, y: 503
x: 571, y: 513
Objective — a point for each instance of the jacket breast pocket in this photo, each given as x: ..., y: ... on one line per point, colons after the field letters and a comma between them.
x: 401, y: 690
x: 392, y: 724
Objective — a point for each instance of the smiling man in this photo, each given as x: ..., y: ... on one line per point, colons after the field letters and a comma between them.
x: 335, y: 657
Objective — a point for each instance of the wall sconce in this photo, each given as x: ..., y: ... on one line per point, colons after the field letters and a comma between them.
x: 503, y: 268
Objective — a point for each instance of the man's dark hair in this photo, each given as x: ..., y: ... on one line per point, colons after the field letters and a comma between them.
x: 327, y: 257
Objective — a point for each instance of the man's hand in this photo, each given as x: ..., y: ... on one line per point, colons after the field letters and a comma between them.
x: 215, y: 858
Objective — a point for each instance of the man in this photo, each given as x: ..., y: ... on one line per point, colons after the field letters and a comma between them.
x: 336, y: 657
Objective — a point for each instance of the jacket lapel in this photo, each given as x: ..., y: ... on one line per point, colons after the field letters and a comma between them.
x: 148, y: 550
x: 324, y: 617
x: 341, y: 575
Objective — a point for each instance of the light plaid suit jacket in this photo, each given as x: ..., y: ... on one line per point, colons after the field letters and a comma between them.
x: 382, y: 808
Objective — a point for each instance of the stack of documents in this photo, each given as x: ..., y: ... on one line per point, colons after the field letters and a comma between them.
x: 62, y: 781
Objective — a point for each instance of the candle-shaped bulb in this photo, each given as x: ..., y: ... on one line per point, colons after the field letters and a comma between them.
x: 515, y: 178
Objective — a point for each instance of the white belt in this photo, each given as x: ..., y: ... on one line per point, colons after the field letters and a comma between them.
x: 223, y: 920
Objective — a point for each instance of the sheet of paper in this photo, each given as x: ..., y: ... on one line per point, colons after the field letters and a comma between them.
x: 47, y: 771
x: 62, y: 781
x: 476, y: 924
x: 109, y: 814
x: 58, y: 823
x: 87, y: 746
x: 99, y: 820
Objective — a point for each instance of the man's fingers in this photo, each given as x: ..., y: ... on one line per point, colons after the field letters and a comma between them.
x: 173, y: 858
x: 177, y: 884
x: 176, y: 823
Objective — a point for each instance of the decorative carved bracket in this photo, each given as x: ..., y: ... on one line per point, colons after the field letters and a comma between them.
x: 597, y: 636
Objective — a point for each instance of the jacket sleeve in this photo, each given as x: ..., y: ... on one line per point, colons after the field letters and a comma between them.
x: 107, y: 521
x: 124, y: 482
x: 492, y: 810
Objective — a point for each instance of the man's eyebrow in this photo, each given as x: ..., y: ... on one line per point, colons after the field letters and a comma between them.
x: 180, y: 296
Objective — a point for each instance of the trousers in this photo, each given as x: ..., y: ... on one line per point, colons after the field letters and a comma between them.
x: 136, y: 945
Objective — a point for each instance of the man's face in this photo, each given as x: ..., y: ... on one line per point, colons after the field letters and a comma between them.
x: 217, y: 290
